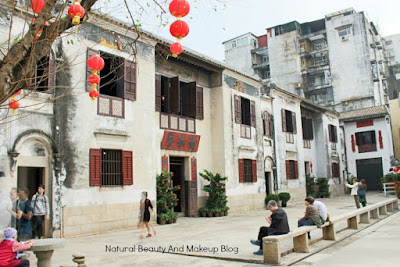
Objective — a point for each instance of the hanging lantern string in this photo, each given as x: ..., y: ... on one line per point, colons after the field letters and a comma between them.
x: 76, y: 12
x: 179, y: 28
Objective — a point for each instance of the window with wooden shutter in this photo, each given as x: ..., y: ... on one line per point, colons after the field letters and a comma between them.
x: 296, y: 169
x: 332, y: 133
x: 288, y: 169
x: 174, y: 95
x: 246, y: 111
x: 283, y: 115
x: 267, y: 124
x: 294, y: 123
x: 304, y: 127
x: 90, y: 52
x: 95, y: 167
x: 129, y: 80
x: 335, y: 170
x: 310, y: 129
x: 199, y: 103
x: 292, y: 169
x: 254, y: 170
x: 111, y: 167
x: 253, y: 113
x: 188, y: 93
x: 335, y: 134
x: 158, y: 92
x: 238, y: 109
x: 241, y: 170
x: 127, y: 168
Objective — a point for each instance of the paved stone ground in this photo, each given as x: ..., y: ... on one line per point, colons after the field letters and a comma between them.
x: 223, y: 237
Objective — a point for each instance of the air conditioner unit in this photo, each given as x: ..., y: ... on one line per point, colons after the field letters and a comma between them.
x: 297, y: 85
x: 345, y: 38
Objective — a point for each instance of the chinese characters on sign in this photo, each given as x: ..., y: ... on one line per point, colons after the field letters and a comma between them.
x: 180, y: 141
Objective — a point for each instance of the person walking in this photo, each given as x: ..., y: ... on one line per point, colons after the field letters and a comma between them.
x: 25, y: 216
x: 9, y: 249
x: 278, y: 225
x: 354, y: 189
x: 144, y: 214
x: 40, y: 204
x: 362, y: 189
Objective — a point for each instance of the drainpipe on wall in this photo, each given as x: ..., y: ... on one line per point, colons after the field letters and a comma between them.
x: 274, y: 171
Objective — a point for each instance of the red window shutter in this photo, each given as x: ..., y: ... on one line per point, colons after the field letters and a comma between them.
x: 310, y: 130
x: 194, y: 169
x: 288, y: 169
x: 95, y: 167
x: 164, y: 163
x: 199, y: 103
x: 380, y: 140
x: 241, y: 170
x: 283, y: 112
x: 353, y: 144
x: 158, y: 92
x: 127, y: 168
x: 294, y: 123
x: 254, y: 170
x: 253, y: 113
x: 90, y: 52
x: 129, y: 80
x: 174, y: 95
x: 296, y: 169
x: 238, y: 110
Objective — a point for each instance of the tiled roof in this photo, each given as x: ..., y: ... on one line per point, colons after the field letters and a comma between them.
x: 365, y: 113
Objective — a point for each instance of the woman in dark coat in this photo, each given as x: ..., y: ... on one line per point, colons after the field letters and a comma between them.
x: 144, y: 214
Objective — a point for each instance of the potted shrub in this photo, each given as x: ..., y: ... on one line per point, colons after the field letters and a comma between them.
x: 170, y: 216
x: 209, y: 213
x: 225, y: 210
x: 217, y: 212
x: 174, y: 217
x: 163, y: 217
x: 203, y: 212
x: 271, y: 197
x: 284, y: 197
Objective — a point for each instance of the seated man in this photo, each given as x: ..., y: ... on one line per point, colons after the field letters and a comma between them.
x: 311, y: 216
x: 322, y: 210
x: 278, y: 225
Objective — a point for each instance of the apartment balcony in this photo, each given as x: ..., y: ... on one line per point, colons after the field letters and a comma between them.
x: 260, y: 65
x: 260, y: 50
x: 314, y: 53
x: 318, y: 86
x: 315, y: 69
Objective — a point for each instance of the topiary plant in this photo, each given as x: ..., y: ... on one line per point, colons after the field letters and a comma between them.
x: 271, y: 197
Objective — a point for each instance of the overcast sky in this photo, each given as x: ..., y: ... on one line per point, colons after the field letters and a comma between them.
x: 209, y: 28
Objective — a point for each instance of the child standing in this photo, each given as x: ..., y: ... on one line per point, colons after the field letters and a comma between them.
x: 9, y: 248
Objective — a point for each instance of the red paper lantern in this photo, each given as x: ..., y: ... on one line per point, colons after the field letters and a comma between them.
x: 395, y: 169
x: 14, y: 105
x: 176, y: 49
x: 37, y: 6
x: 96, y: 63
x: 94, y: 79
x: 94, y: 94
x: 179, y: 29
x: 311, y: 165
x: 76, y: 12
x: 179, y: 8
x: 18, y: 92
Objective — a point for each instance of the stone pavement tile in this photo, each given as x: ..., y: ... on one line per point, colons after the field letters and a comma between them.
x: 233, y: 232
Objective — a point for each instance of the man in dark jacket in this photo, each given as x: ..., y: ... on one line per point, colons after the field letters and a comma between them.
x: 278, y: 225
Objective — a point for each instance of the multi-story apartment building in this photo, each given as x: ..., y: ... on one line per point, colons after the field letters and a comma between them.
x: 337, y: 61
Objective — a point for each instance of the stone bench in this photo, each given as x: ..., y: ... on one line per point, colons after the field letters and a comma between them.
x: 271, y: 248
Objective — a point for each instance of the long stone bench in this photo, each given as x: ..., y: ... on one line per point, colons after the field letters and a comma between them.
x: 271, y: 244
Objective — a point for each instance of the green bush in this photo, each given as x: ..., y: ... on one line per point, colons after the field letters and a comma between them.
x: 216, y: 190
x: 284, y: 197
x: 323, y: 188
x: 163, y: 216
x: 310, y: 186
x: 271, y: 197
x: 202, y: 209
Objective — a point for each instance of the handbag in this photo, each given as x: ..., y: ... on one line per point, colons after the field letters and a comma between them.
x: 361, y: 191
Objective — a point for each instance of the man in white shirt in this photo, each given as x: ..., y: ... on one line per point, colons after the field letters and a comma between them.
x: 322, y: 210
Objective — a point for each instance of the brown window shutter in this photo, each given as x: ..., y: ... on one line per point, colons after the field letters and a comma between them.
x: 158, y: 92
x: 129, y: 80
x: 241, y: 170
x: 288, y: 169
x: 283, y: 112
x: 310, y: 129
x: 127, y: 168
x: 189, y: 94
x: 253, y: 113
x: 164, y: 163
x: 90, y: 52
x: 304, y: 128
x: 199, y: 103
x: 330, y: 132
x: 335, y: 134
x: 338, y: 170
x: 296, y: 169
x: 194, y: 169
x: 51, y: 73
x: 95, y: 167
x: 333, y: 169
x: 238, y: 110
x: 174, y: 95
x: 254, y: 170
x: 294, y: 123
x: 269, y: 128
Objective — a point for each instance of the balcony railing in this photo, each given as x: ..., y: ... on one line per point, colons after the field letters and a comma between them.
x: 177, y: 123
x: 111, y: 106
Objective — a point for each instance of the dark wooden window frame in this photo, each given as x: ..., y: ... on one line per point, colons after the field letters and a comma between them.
x: 364, y: 147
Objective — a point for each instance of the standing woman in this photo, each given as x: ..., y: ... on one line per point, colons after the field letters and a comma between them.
x: 362, y: 189
x: 144, y: 215
x: 354, y: 189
